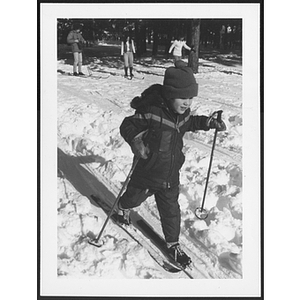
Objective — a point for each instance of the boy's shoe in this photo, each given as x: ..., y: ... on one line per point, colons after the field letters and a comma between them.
x: 80, y: 73
x: 123, y: 216
x: 178, y: 255
x: 75, y: 74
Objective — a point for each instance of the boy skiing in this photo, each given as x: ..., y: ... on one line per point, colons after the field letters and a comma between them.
x: 155, y: 133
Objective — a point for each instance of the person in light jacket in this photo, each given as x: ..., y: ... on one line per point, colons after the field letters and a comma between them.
x: 127, y: 51
x: 76, y: 40
x: 177, y: 45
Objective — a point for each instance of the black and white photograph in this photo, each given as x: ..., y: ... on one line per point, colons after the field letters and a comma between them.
x: 151, y: 150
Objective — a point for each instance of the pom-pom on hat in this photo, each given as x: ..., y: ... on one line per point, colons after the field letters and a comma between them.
x: 179, y: 82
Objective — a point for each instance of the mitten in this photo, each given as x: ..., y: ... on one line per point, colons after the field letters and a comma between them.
x: 139, y: 149
x: 219, y: 125
x: 216, y: 123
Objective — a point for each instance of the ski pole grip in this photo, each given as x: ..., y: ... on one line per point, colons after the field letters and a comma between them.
x: 219, y: 117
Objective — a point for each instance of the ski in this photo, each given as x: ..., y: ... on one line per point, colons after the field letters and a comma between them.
x: 121, y: 75
x: 94, y: 76
x: 91, y: 76
x: 110, y: 72
x: 135, y: 77
x: 133, y: 232
x: 88, y: 76
x: 145, y: 236
x: 160, y: 243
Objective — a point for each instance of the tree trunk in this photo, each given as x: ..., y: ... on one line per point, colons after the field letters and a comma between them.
x: 155, y: 40
x: 143, y: 37
x: 195, y: 42
x: 137, y: 38
x: 93, y: 31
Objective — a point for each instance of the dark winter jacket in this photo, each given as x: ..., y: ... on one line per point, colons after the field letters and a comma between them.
x: 164, y: 137
x: 72, y: 36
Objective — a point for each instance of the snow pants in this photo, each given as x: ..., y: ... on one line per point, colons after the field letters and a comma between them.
x: 167, y: 205
x: 77, y: 61
x: 128, y: 59
x: 176, y: 58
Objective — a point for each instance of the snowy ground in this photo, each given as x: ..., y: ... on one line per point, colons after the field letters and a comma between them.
x: 90, y: 147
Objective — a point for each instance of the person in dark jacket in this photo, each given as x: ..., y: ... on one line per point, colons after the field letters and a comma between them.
x: 155, y: 133
x: 76, y: 40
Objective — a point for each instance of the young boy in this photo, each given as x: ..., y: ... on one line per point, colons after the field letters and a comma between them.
x: 75, y: 39
x: 155, y: 133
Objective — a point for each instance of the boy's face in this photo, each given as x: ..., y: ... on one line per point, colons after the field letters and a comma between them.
x: 180, y: 105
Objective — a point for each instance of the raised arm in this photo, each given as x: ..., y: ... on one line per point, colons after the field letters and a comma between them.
x: 186, y: 46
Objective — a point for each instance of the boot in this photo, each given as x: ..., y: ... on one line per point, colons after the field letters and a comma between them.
x: 178, y: 255
x: 126, y: 72
x: 131, y: 74
x: 123, y: 215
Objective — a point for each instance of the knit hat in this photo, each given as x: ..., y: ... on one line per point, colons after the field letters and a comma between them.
x: 179, y: 82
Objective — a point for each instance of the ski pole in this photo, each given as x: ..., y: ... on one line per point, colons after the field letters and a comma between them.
x: 200, y: 212
x: 95, y: 242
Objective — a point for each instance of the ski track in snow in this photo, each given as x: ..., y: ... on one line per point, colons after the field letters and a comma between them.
x: 89, y: 115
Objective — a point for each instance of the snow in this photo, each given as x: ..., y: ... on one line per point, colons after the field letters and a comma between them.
x: 89, y: 113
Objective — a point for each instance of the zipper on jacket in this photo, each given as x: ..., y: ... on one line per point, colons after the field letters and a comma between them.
x: 173, y: 151
x: 177, y: 125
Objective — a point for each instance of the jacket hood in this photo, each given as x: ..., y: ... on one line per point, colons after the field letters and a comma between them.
x: 152, y: 96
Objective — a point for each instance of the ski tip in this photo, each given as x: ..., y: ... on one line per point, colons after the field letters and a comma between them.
x: 171, y: 268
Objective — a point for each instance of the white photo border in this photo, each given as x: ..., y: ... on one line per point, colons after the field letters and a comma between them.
x: 251, y: 284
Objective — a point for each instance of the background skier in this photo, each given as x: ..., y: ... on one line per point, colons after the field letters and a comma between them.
x: 76, y: 40
x: 155, y: 133
x: 177, y: 45
x: 127, y: 51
